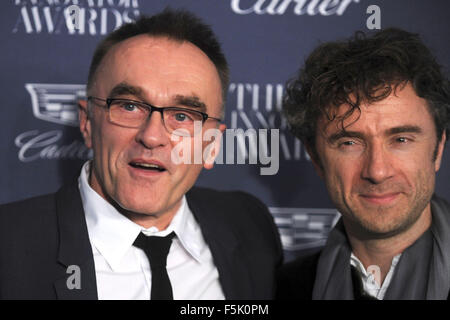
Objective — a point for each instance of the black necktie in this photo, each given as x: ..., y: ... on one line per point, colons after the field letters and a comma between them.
x: 156, y: 249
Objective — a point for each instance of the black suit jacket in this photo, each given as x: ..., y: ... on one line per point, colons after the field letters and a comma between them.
x: 42, y: 236
x: 295, y: 280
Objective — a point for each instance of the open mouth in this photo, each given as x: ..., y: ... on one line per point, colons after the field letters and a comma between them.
x: 147, y: 166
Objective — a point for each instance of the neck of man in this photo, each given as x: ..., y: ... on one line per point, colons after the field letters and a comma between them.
x: 381, y: 251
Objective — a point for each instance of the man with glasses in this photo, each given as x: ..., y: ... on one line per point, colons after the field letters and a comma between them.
x: 131, y: 227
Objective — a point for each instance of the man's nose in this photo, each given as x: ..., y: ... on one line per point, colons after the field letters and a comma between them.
x: 377, y: 166
x: 152, y: 132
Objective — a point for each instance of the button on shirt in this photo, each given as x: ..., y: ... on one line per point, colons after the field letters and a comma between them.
x: 371, y: 285
x: 123, y: 271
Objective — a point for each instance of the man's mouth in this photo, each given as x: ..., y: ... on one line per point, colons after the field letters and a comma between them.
x: 380, y: 198
x: 147, y: 166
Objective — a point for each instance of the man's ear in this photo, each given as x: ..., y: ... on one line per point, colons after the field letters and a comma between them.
x: 440, y: 151
x: 213, y: 149
x: 312, y: 152
x: 85, y: 122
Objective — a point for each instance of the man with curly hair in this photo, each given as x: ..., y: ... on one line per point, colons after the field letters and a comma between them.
x: 373, y: 113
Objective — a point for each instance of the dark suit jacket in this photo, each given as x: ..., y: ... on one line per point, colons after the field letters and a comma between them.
x: 295, y: 280
x: 42, y: 236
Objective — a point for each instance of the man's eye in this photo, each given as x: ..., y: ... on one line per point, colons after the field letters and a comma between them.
x: 129, y: 107
x: 182, y: 117
x: 348, y: 143
x: 402, y: 139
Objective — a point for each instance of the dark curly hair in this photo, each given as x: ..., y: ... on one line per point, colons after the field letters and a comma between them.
x: 364, y: 69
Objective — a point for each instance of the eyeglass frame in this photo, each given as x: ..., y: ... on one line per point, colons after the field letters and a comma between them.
x: 152, y: 108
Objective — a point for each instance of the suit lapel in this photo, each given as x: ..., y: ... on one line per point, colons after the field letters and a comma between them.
x: 74, y: 247
x: 225, y: 248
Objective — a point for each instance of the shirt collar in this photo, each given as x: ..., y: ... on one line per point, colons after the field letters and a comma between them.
x: 113, y: 234
x: 371, y: 285
x: 354, y: 261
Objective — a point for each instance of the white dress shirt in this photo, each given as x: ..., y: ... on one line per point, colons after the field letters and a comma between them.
x: 371, y: 285
x: 123, y: 271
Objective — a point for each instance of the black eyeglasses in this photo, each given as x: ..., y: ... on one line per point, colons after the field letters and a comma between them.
x: 133, y: 114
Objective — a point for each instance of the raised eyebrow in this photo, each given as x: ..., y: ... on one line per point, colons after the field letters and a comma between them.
x: 190, y: 101
x: 124, y: 88
x: 404, y: 129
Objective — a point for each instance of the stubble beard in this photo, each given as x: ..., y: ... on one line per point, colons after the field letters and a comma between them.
x: 381, y: 222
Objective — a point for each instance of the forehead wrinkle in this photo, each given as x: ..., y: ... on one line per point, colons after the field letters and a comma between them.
x: 123, y: 88
x: 391, y: 106
x: 122, y: 58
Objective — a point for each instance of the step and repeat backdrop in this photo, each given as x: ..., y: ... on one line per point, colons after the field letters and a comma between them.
x: 44, y: 62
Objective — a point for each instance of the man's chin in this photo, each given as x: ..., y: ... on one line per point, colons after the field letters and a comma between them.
x: 381, y: 231
x: 141, y: 208
x: 150, y: 205
x: 380, y: 224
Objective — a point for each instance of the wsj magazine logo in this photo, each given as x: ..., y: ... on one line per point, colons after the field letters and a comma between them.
x: 94, y: 17
x: 55, y: 103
